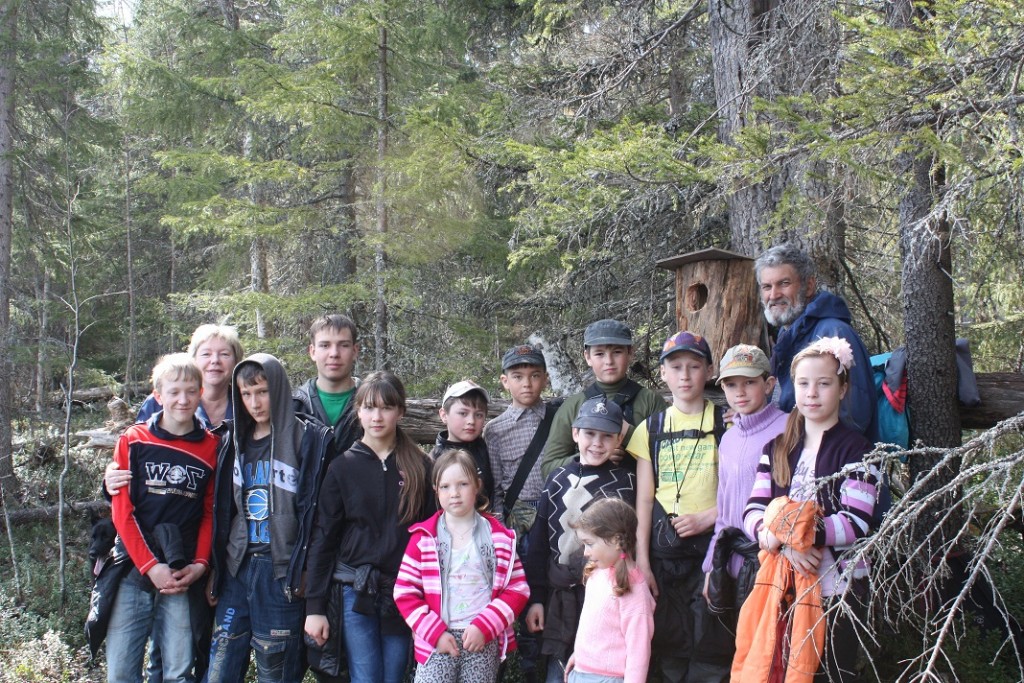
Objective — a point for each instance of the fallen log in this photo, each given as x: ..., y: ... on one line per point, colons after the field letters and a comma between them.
x: 97, y: 438
x: 1002, y: 397
x: 422, y: 422
x: 94, y: 394
x: 41, y: 514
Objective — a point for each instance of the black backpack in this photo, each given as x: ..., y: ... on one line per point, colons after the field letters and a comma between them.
x: 656, y: 434
x: 623, y: 398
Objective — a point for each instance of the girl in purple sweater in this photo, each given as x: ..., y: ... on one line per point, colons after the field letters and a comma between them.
x: 613, y: 642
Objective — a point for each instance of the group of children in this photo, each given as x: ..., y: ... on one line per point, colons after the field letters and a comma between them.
x: 623, y: 531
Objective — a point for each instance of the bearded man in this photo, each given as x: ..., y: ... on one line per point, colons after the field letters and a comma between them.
x: 792, y: 303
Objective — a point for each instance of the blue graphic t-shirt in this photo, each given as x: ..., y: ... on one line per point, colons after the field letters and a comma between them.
x: 256, y: 493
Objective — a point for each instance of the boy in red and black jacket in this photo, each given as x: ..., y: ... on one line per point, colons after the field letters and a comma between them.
x: 164, y: 525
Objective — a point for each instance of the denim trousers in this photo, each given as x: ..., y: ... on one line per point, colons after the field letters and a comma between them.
x: 138, y: 613
x: 556, y: 670
x: 577, y: 676
x: 254, y: 613
x: 373, y: 656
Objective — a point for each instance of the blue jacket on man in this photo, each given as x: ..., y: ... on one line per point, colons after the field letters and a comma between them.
x: 827, y: 315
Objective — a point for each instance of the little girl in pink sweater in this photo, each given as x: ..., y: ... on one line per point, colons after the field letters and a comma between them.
x: 613, y: 642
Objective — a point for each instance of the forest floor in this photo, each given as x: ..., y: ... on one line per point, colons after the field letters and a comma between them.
x: 41, y: 631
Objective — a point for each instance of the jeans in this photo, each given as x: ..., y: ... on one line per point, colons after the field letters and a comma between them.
x: 577, y: 676
x: 137, y: 613
x: 253, y: 612
x: 556, y: 670
x: 155, y: 668
x: 373, y: 657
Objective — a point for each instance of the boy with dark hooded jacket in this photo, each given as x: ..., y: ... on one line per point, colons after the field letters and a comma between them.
x: 263, y: 515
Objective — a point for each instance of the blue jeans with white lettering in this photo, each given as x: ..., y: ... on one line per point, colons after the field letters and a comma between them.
x: 253, y: 612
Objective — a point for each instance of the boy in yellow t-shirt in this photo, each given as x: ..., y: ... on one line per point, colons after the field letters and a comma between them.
x: 676, y: 491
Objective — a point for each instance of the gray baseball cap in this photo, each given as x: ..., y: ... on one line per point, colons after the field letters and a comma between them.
x: 607, y: 331
x: 600, y: 414
x: 524, y: 354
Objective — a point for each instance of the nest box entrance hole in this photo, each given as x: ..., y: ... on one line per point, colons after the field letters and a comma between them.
x: 696, y: 297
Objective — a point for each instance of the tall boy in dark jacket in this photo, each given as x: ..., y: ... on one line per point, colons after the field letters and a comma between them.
x: 263, y: 516
x: 608, y: 350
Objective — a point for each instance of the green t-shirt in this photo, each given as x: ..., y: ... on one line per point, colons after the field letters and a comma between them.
x: 334, y: 404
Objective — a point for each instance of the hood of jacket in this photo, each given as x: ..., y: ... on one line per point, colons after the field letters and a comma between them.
x: 282, y: 415
x: 826, y: 305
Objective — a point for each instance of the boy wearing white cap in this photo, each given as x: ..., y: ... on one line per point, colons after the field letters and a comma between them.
x: 464, y: 412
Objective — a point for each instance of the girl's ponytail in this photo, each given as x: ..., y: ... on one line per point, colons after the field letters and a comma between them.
x: 784, y: 445
x: 621, y: 575
x: 412, y: 464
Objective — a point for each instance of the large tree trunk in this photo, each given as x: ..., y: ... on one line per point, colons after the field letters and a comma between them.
x: 770, y: 49
x: 380, y: 326
x: 928, y: 318
x: 227, y: 8
x: 8, y: 37
x: 733, y: 40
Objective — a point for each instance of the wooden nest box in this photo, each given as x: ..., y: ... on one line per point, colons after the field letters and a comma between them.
x: 717, y: 298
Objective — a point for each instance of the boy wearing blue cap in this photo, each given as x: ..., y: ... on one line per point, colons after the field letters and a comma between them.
x: 608, y: 350
x: 677, y: 481
x: 554, y: 560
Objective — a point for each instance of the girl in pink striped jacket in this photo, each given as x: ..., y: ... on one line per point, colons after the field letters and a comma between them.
x: 461, y: 585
